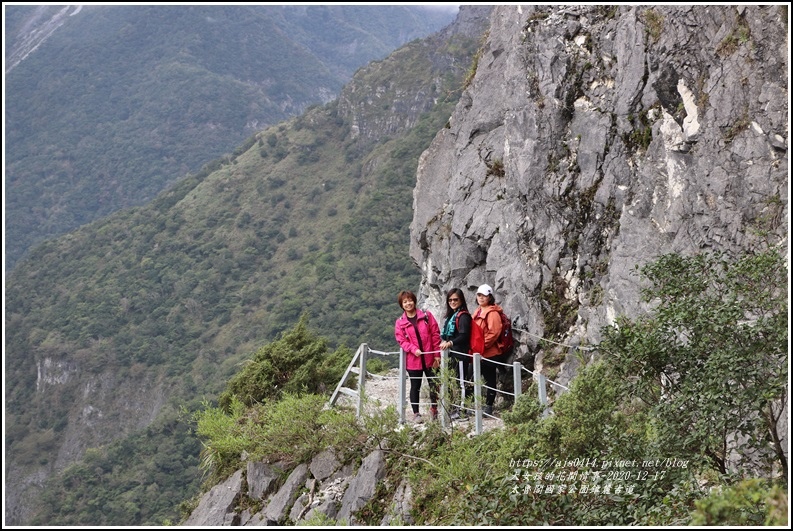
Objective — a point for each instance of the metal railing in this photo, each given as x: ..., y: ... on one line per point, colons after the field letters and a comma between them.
x: 358, y: 365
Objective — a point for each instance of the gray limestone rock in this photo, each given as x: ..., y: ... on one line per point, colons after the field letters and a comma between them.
x: 324, y: 464
x: 262, y: 478
x: 363, y: 486
x: 282, y: 501
x: 591, y: 140
x: 399, y: 512
x: 217, y: 505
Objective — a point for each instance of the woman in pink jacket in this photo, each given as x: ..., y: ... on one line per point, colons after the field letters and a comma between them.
x: 418, y: 334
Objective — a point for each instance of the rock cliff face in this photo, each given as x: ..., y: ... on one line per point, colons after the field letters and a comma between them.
x: 593, y: 139
x: 293, y: 495
x: 37, y: 27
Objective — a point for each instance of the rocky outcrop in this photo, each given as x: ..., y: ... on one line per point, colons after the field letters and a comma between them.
x: 217, y: 506
x: 593, y: 139
x: 322, y: 487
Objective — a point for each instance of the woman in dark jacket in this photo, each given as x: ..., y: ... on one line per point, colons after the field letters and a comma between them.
x: 456, y: 336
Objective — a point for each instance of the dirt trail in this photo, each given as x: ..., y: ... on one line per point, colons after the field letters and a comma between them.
x: 383, y: 391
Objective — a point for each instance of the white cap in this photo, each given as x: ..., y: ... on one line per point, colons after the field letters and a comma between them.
x: 484, y: 289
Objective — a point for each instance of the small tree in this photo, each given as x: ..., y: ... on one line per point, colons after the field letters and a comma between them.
x: 298, y: 362
x: 711, y: 357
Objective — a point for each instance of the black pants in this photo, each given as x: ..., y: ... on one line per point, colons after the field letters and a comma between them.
x: 490, y: 376
x: 462, y: 378
x: 415, y: 387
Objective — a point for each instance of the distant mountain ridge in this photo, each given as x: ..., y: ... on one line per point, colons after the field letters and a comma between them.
x: 108, y: 105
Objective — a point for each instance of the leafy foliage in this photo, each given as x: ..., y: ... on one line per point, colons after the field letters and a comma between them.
x: 711, y: 359
x: 593, y: 421
x: 297, y: 363
x: 290, y: 430
x: 750, y: 502
x: 499, y: 477
x: 610, y: 453
x: 99, y: 489
x: 591, y: 429
x: 526, y: 409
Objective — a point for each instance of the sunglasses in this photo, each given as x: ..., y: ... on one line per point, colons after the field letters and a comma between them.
x: 454, y: 300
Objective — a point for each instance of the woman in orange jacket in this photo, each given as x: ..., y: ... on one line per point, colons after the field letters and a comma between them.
x: 487, y: 318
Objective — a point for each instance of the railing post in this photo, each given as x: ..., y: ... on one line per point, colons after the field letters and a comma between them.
x: 362, y: 379
x: 516, y: 382
x: 402, y: 373
x: 461, y: 372
x: 478, y: 392
x: 442, y: 402
x: 541, y: 392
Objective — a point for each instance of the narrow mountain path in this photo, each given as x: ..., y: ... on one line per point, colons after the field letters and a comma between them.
x: 382, y: 391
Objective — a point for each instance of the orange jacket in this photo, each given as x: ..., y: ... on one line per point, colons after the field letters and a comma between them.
x: 490, y: 323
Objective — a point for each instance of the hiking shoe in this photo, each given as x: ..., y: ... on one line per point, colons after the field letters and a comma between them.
x: 417, y: 419
x: 488, y: 410
x: 434, y: 413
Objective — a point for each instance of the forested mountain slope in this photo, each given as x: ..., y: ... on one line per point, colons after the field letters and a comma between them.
x: 105, y: 106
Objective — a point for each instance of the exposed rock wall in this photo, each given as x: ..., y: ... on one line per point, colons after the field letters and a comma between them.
x: 323, y: 487
x: 593, y: 139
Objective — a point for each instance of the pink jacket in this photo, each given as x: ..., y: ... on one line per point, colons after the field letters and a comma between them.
x: 405, y: 334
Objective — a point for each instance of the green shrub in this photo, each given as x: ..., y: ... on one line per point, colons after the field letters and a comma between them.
x: 616, y: 417
x: 710, y: 361
x: 377, y: 366
x: 291, y: 430
x: 526, y: 410
x: 226, y: 435
x: 749, y: 502
x: 298, y: 362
